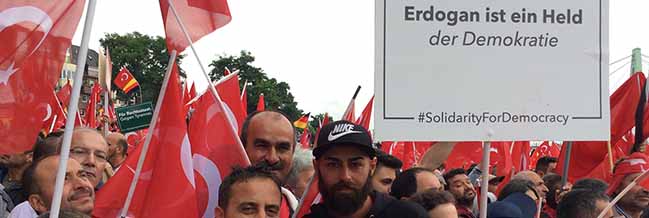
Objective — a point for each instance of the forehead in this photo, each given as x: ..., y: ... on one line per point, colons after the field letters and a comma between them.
x: 49, y: 166
x: 89, y: 139
x: 255, y: 190
x: 270, y: 122
x: 385, y: 172
x: 458, y: 177
x: 344, y: 152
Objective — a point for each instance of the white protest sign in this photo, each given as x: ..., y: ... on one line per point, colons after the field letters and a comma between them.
x: 488, y: 70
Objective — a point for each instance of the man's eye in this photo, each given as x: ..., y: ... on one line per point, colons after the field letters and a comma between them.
x: 332, y: 164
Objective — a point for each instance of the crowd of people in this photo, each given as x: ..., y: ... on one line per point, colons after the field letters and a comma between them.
x: 354, y: 178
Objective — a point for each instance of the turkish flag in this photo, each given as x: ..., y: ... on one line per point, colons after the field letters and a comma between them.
x: 166, y: 185
x: 547, y: 148
x: 215, y: 145
x: 324, y: 121
x: 228, y: 89
x: 305, y: 138
x: 56, y: 115
x: 125, y: 81
x: 35, y: 36
x: 366, y: 115
x: 199, y: 17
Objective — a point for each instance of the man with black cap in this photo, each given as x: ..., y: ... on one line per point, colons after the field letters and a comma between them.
x: 344, y: 161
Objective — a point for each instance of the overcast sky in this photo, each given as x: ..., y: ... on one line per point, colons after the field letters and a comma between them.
x: 322, y: 49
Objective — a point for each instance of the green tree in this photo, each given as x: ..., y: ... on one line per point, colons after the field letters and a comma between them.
x: 146, y: 57
x: 277, y: 95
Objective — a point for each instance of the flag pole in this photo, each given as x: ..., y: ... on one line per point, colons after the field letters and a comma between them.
x: 566, y: 164
x: 149, y: 135
x: 484, y: 186
x: 73, y: 107
x: 210, y: 87
x: 610, y: 155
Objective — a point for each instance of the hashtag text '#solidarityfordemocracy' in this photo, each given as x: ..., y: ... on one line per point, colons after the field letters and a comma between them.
x: 487, y: 117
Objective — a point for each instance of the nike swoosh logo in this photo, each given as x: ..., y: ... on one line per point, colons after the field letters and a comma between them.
x: 334, y: 137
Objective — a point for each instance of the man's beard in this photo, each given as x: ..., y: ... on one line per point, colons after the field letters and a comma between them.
x: 344, y: 203
x: 466, y: 200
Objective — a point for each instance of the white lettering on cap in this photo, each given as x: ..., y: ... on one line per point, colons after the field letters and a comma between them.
x: 341, y: 130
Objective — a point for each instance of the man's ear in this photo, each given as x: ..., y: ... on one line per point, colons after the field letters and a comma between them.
x: 219, y: 213
x: 373, y: 164
x: 37, y: 203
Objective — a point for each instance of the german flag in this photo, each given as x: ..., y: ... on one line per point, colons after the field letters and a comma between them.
x: 302, y: 122
x: 125, y: 81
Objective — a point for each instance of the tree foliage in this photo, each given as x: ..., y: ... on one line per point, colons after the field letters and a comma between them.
x: 146, y: 57
x: 277, y: 95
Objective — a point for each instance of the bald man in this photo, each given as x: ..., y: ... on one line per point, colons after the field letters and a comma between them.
x: 117, y: 149
x: 91, y: 150
x: 531, y: 176
x: 78, y: 192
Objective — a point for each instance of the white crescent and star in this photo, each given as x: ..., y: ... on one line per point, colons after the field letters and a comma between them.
x: 15, y: 15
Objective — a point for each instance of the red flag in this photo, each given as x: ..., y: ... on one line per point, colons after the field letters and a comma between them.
x: 465, y: 154
x: 192, y: 91
x: 244, y: 99
x: 215, y: 145
x: 228, y: 89
x: 56, y: 115
x: 323, y: 122
x: 547, y: 148
x: 64, y: 94
x: 166, y: 186
x: 624, y: 102
x: 34, y: 38
x: 310, y: 197
x: 585, y: 156
x: 199, y: 18
x: 305, y: 138
x: 125, y: 81
x: 349, y: 112
x: 261, y: 103
x: 410, y: 153
x: 520, y: 152
x: 91, y: 107
x: 366, y: 116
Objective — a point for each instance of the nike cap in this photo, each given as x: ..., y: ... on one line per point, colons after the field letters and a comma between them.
x: 343, y: 132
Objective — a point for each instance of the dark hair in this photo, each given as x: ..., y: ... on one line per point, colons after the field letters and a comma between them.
x: 50, y: 146
x: 595, y: 185
x: 240, y: 174
x: 405, y: 185
x: 544, y: 162
x: 580, y: 203
x: 452, y: 173
x: 387, y: 160
x: 246, y: 124
x: 516, y: 186
x: 431, y: 198
x: 553, y: 182
x: 124, y: 145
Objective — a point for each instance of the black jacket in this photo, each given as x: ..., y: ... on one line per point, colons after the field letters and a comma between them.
x: 383, y: 206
